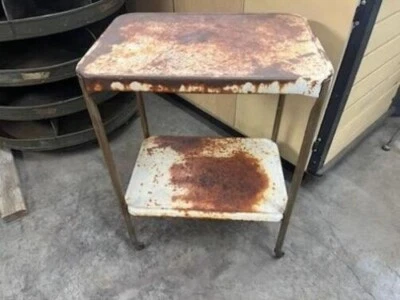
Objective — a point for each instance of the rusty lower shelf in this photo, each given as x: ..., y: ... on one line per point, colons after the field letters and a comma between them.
x: 214, y: 178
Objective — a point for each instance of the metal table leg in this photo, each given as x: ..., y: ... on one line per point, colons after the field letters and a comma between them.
x: 387, y: 146
x: 278, y: 117
x: 301, y: 165
x: 142, y: 113
x: 109, y: 161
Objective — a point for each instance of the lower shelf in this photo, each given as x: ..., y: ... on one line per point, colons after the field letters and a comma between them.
x: 213, y: 178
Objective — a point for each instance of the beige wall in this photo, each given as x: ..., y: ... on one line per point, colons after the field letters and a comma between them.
x: 253, y: 115
x: 376, y: 81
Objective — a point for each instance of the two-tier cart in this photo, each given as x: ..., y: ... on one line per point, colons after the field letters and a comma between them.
x: 201, y: 177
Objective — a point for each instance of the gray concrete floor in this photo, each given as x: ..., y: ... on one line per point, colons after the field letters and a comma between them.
x: 343, y: 242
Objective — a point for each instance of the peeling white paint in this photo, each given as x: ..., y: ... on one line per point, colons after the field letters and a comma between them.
x: 301, y: 87
x: 117, y: 86
x: 140, y: 87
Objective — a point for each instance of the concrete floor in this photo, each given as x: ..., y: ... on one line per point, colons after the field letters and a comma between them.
x: 343, y: 242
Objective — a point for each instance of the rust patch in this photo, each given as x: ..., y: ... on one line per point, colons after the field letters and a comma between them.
x: 211, y: 182
x: 185, y: 212
x: 202, y: 52
x: 223, y: 184
x: 155, y: 179
x: 97, y: 87
x: 313, y: 84
x: 200, y: 36
x: 187, y: 145
x: 149, y: 44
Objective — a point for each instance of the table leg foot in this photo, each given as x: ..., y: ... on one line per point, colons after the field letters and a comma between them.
x: 139, y: 246
x: 387, y: 146
x: 279, y: 253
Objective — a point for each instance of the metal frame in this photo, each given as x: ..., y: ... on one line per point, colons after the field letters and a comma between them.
x: 363, y: 22
x: 306, y: 147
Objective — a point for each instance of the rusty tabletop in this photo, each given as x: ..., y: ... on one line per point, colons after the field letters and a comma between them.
x: 207, y: 53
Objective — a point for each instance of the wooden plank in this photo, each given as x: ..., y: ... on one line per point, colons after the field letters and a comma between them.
x: 209, y: 6
x: 388, y: 8
x: 383, y: 32
x: 12, y: 205
x: 222, y: 107
x: 377, y: 58
x: 154, y: 5
x: 362, y: 120
x: 364, y: 86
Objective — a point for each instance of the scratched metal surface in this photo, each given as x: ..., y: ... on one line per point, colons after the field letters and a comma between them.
x: 207, y: 53
x: 215, y: 178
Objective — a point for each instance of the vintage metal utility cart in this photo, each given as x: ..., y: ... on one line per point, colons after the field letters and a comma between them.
x: 199, y: 177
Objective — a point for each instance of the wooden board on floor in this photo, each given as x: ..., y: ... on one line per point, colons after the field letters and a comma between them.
x: 12, y: 204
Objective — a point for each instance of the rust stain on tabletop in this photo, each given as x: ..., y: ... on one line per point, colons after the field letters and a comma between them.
x: 210, y: 47
x: 186, y: 146
x: 216, y: 184
x: 173, y: 43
